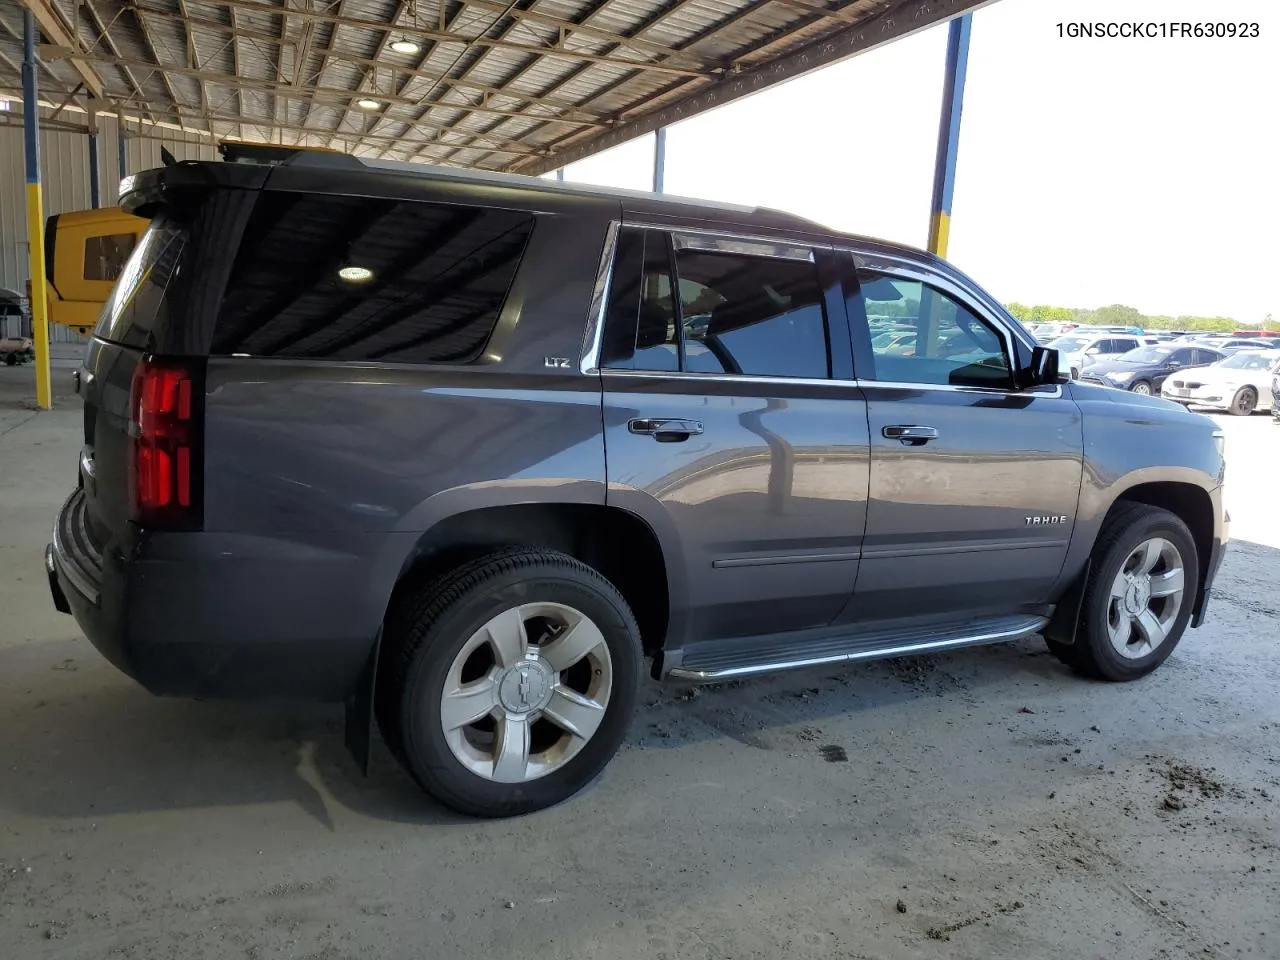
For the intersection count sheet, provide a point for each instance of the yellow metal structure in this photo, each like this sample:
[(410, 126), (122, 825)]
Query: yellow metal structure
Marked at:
[(39, 304), (86, 251), (939, 232)]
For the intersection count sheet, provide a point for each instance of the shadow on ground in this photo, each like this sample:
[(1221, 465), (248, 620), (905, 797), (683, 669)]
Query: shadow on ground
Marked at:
[(79, 740)]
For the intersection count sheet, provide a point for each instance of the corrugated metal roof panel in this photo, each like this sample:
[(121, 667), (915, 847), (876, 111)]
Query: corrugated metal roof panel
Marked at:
[(616, 67)]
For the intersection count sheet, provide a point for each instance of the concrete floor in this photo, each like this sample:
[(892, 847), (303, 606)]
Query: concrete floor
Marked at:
[(984, 804)]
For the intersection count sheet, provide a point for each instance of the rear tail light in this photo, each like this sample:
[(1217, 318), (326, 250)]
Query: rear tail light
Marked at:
[(164, 471)]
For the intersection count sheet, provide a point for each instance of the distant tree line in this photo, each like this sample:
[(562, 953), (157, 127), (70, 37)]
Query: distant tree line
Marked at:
[(1117, 314)]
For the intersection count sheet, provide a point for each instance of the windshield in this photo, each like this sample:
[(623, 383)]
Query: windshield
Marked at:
[(1247, 361), (1069, 344), (1147, 355)]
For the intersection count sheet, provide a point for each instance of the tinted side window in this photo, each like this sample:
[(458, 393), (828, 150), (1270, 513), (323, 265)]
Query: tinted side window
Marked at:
[(104, 257), (640, 330), (753, 315), (139, 302), (921, 335), (357, 278)]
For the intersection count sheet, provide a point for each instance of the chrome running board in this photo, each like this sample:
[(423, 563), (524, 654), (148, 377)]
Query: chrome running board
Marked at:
[(751, 656)]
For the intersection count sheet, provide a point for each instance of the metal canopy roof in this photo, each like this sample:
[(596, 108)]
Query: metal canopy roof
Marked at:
[(519, 85)]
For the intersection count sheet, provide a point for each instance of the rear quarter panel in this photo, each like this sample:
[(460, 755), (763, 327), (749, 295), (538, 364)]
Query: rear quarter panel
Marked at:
[(339, 468)]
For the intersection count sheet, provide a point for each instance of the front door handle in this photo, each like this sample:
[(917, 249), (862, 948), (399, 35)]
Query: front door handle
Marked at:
[(909, 434), (665, 431)]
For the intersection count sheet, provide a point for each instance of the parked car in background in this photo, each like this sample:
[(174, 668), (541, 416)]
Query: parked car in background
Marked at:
[(895, 341), (1238, 384), (15, 350), (1257, 334), (1227, 344), (1103, 328), (1275, 397), (1145, 370), (1078, 349), (1044, 332)]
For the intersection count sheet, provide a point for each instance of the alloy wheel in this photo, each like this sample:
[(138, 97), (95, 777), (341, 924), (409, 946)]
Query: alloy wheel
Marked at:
[(1146, 596), (526, 692)]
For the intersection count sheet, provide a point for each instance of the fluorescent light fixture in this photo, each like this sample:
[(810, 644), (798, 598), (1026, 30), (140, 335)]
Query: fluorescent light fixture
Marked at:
[(405, 45), (368, 103), (354, 274)]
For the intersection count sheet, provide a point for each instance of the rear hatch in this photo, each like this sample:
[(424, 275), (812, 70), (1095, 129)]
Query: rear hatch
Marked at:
[(140, 305)]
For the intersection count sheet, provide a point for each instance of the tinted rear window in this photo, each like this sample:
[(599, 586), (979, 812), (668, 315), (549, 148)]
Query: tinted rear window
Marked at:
[(357, 278), (139, 302)]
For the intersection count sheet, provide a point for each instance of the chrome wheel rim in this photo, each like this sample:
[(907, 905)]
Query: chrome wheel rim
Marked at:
[(526, 692), (1142, 388), (1146, 597)]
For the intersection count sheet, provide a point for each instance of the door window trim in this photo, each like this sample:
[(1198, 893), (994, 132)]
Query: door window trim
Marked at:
[(716, 243), (860, 259), (701, 240), (593, 335), (908, 269)]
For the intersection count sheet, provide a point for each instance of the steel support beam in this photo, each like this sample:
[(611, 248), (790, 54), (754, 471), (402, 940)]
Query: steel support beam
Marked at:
[(52, 27), (944, 169), (659, 158), (557, 50), (35, 213), (95, 173), (121, 152)]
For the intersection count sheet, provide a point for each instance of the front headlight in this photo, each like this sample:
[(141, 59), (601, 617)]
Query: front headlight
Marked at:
[(1119, 376)]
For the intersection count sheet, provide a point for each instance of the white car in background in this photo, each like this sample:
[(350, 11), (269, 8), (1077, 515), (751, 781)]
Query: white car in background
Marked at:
[(1239, 384), (1078, 349)]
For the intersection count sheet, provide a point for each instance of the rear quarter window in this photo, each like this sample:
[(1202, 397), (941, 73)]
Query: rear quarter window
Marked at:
[(327, 277), (139, 301)]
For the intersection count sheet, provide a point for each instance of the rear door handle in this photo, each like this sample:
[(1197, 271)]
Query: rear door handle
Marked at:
[(909, 434), (665, 431)]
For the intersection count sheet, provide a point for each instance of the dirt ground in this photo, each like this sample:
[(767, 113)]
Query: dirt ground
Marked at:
[(983, 804)]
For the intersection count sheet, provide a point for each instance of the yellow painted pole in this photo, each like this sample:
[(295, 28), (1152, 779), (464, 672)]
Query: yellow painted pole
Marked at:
[(35, 214), (944, 171)]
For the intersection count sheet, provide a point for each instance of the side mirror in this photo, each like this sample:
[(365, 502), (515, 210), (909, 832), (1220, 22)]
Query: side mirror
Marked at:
[(1042, 369), (1094, 350)]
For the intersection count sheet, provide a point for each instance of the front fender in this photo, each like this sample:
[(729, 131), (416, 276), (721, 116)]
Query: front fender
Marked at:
[(1131, 441)]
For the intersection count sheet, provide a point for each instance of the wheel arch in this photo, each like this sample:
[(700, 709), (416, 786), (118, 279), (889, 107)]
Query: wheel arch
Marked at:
[(1194, 506), (1184, 498), (620, 545)]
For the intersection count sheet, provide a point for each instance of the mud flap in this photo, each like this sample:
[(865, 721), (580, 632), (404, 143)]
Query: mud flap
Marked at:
[(358, 728), (1066, 616)]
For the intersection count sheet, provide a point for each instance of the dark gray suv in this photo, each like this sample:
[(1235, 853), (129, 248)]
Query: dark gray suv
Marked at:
[(463, 450)]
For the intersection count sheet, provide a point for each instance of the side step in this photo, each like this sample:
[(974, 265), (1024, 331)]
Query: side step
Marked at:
[(749, 656)]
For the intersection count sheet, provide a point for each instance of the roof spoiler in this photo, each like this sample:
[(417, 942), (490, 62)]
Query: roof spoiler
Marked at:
[(274, 155)]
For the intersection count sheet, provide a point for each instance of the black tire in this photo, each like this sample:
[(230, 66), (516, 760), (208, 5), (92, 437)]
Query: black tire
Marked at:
[(1145, 386), (1128, 526), (427, 632), (1244, 402), (11, 359)]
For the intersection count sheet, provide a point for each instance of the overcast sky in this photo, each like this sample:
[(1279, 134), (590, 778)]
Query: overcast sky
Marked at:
[(1136, 171)]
